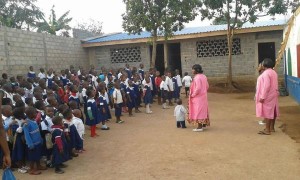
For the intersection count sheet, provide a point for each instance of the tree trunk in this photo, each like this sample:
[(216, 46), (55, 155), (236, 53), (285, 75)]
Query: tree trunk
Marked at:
[(153, 59), (229, 39)]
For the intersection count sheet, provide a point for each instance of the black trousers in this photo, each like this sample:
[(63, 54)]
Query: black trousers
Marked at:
[(181, 124)]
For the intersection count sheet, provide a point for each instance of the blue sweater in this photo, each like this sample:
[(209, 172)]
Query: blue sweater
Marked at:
[(32, 134)]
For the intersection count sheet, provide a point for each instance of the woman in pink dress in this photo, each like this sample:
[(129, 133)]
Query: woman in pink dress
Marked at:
[(198, 104), (267, 96)]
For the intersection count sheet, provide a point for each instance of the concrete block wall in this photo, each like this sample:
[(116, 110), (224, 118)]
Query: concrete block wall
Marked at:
[(20, 49), (102, 57), (243, 65)]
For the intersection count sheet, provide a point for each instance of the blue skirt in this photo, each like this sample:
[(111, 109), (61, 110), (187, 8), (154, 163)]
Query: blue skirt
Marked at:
[(19, 149), (35, 153)]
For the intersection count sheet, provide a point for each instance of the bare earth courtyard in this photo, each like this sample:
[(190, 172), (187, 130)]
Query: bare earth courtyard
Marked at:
[(151, 147)]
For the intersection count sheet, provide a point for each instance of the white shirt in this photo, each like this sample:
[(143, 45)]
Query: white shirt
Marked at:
[(164, 86), (45, 127), (178, 78), (42, 75), (169, 82), (79, 126), (78, 72), (117, 95), (187, 81), (179, 113), (6, 123), (119, 75)]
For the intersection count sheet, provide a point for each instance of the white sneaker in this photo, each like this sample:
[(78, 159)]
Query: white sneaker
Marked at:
[(197, 130), (26, 168), (261, 123), (21, 170)]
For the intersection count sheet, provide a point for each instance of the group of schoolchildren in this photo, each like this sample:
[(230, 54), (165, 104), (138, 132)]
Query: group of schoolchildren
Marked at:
[(44, 114)]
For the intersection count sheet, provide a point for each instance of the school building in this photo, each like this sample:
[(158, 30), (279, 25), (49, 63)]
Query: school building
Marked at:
[(205, 45)]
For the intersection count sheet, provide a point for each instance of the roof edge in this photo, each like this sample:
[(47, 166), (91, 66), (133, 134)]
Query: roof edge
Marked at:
[(186, 36)]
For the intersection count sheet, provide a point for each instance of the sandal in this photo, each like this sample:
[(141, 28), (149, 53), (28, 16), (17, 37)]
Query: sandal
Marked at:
[(264, 133)]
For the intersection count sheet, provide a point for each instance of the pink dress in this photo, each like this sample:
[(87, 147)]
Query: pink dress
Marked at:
[(267, 89), (198, 104)]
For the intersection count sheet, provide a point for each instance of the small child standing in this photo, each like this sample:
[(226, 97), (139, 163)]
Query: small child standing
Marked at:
[(103, 109), (131, 96), (118, 102), (147, 95), (92, 118), (187, 83), (179, 113), (60, 153), (77, 121), (34, 142)]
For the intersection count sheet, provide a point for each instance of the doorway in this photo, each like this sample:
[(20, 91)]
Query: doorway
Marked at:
[(174, 57), (266, 50), (159, 61)]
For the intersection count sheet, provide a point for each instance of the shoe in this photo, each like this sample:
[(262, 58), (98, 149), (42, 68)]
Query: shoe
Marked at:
[(21, 170), (137, 111), (63, 166), (74, 154), (183, 127), (261, 123), (26, 167), (105, 128), (198, 130), (49, 165), (59, 171), (120, 122)]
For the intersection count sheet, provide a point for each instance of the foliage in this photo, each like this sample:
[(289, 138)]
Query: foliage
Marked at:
[(294, 4), (236, 13), (54, 24), (19, 13), (159, 17), (91, 25)]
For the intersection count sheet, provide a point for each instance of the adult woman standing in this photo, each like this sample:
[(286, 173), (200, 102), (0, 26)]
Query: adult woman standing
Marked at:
[(198, 104), (267, 96)]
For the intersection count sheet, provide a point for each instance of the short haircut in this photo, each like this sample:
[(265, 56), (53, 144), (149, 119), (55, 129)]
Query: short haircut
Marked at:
[(30, 112), (179, 101), (268, 63), (57, 120), (198, 68), (67, 113)]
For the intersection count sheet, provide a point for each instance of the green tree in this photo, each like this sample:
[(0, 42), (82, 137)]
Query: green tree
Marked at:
[(236, 13), (91, 25), (159, 17), (54, 25), (20, 14)]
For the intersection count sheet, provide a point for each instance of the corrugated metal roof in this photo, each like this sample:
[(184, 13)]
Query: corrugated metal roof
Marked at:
[(185, 31)]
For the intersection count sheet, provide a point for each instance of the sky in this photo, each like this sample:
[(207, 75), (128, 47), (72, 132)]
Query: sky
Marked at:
[(107, 11)]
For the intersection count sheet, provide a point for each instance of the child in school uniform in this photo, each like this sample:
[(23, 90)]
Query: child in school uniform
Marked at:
[(102, 108), (33, 141), (92, 118), (31, 73), (164, 92), (73, 95), (118, 102), (176, 89), (73, 138), (137, 90), (186, 80), (46, 129), (78, 123), (131, 96), (19, 146), (179, 113), (60, 152), (147, 95)]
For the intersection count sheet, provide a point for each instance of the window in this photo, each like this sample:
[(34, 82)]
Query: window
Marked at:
[(219, 47), (124, 55)]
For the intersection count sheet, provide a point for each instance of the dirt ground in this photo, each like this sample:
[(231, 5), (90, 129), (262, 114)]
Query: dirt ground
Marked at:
[(149, 147)]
